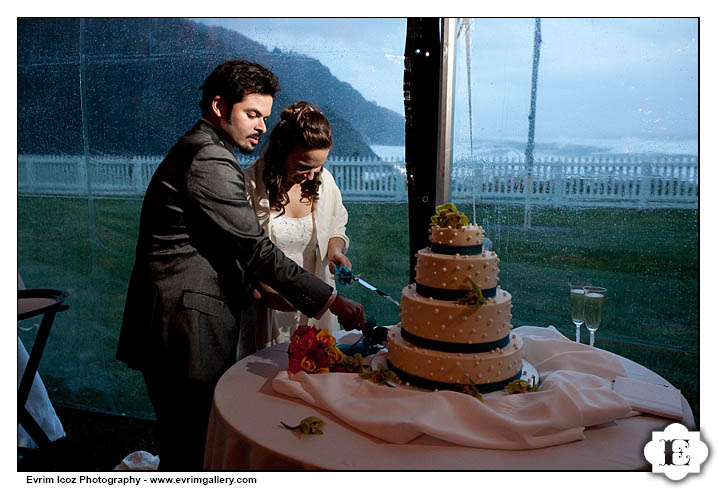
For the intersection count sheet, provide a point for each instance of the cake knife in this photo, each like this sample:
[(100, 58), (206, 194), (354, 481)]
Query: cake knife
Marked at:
[(345, 276), (377, 291)]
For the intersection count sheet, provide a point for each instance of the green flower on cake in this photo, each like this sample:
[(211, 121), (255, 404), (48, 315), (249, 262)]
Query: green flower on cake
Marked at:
[(474, 298), (472, 390), (449, 217), (310, 425), (521, 386), (381, 376)]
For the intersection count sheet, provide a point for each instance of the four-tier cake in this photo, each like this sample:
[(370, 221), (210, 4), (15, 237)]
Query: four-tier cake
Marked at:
[(455, 327)]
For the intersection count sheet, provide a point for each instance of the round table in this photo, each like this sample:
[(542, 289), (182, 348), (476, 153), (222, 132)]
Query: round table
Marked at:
[(245, 433)]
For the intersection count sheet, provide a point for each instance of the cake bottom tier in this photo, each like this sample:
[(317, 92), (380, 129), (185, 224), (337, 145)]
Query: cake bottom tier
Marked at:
[(493, 369)]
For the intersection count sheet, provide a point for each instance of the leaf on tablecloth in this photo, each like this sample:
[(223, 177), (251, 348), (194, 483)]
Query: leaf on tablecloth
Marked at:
[(309, 425)]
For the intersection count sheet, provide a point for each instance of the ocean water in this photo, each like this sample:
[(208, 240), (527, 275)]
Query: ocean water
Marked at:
[(564, 147)]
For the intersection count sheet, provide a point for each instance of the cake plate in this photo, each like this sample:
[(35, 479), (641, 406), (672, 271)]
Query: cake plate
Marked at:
[(529, 373)]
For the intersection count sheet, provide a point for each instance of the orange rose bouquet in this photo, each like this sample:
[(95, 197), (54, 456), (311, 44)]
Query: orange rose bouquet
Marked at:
[(315, 351)]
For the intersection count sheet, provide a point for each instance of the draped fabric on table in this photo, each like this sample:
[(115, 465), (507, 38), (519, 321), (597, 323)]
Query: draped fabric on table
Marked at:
[(575, 393)]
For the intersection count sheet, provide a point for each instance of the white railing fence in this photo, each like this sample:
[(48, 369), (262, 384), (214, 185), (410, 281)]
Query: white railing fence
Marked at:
[(553, 181), (580, 181)]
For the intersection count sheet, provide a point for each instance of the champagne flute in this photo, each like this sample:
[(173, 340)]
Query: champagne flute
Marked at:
[(593, 307), (577, 302)]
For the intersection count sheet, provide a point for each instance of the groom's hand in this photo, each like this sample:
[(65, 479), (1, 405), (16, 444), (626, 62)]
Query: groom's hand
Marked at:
[(350, 313)]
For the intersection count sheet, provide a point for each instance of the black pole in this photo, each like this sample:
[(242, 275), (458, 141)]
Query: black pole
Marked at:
[(422, 76)]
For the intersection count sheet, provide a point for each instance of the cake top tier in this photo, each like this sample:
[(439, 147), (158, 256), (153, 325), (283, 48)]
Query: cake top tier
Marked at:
[(457, 237), (450, 227)]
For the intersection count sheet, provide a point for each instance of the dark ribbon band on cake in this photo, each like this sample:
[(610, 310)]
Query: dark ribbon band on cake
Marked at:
[(450, 294), (454, 346), (438, 385), (453, 250)]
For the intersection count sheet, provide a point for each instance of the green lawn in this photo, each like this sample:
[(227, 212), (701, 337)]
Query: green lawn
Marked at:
[(648, 260)]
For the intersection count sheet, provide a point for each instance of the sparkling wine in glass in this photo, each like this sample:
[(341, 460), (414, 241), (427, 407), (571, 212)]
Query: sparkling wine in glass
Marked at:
[(577, 306), (593, 308)]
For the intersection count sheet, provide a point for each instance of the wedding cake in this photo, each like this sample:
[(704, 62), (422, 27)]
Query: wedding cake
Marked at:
[(455, 327)]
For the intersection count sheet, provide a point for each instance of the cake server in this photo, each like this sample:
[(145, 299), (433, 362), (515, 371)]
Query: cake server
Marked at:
[(345, 276)]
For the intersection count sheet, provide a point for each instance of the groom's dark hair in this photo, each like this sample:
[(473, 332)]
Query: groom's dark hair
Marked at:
[(235, 79)]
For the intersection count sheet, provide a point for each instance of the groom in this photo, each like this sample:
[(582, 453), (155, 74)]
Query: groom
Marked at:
[(199, 252)]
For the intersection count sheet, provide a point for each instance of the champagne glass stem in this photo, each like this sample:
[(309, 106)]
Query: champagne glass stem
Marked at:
[(591, 338), (578, 332)]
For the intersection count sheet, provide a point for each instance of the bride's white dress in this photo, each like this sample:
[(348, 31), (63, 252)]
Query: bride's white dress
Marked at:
[(297, 238)]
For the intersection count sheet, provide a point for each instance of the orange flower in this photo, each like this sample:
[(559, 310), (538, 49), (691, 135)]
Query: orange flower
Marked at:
[(308, 365), (325, 338), (335, 355)]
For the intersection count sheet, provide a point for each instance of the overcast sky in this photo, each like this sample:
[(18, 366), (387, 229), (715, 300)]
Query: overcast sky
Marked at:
[(598, 78)]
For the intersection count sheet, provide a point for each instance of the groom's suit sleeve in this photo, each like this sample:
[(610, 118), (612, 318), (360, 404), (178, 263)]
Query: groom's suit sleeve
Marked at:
[(216, 188)]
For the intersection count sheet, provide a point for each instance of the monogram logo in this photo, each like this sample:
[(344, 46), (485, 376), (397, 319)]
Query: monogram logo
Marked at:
[(676, 452)]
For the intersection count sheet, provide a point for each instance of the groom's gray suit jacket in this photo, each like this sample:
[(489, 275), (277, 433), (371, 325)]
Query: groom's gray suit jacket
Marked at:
[(199, 251)]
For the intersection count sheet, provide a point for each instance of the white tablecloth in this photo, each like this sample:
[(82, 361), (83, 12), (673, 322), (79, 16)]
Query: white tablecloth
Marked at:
[(245, 432), (38, 404)]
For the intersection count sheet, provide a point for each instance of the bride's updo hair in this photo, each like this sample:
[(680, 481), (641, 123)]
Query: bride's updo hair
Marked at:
[(301, 125)]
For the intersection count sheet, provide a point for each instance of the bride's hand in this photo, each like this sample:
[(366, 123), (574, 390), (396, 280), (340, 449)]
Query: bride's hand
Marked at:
[(335, 254), (338, 259)]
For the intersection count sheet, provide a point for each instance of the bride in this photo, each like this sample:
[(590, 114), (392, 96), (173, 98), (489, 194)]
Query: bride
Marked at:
[(300, 208)]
